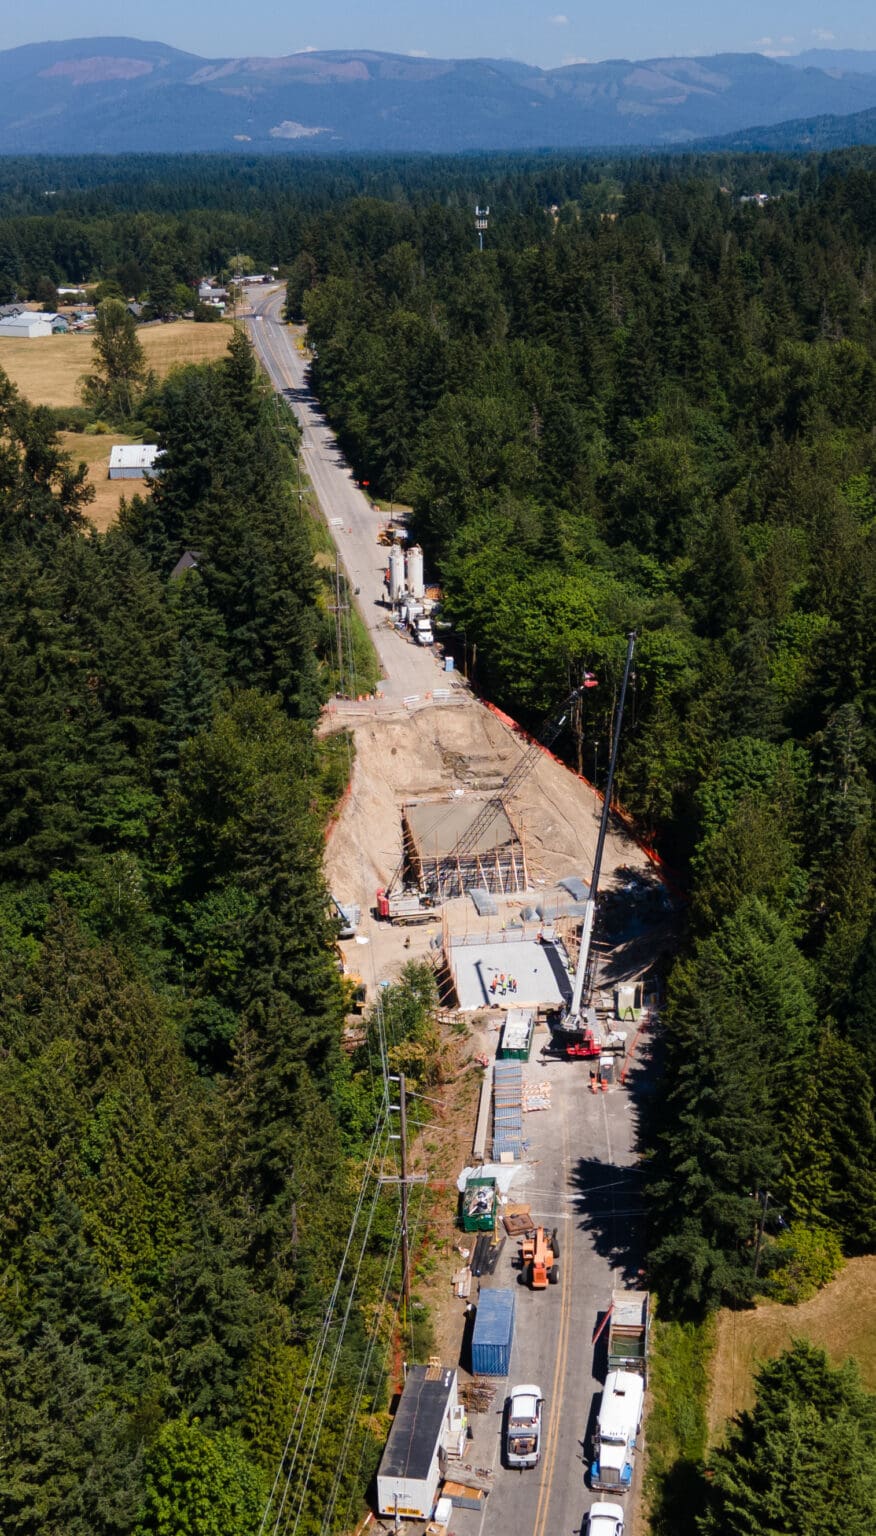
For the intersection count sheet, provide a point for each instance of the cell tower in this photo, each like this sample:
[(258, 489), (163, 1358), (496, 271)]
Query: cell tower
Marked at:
[(482, 216)]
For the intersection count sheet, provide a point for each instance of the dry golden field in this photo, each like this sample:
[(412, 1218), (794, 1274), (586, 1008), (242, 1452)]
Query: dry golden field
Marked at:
[(841, 1319), (47, 369), (95, 452)]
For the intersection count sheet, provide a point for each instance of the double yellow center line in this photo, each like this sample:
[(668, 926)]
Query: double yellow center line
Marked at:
[(555, 1406)]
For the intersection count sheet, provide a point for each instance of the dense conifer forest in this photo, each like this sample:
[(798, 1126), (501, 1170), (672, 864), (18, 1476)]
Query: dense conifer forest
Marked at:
[(181, 1138), (663, 419), (645, 404)]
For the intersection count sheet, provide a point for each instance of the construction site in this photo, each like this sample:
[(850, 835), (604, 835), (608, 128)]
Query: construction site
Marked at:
[(490, 883), (463, 844)]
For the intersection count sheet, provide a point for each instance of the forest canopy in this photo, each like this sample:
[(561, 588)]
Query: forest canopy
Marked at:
[(646, 404)]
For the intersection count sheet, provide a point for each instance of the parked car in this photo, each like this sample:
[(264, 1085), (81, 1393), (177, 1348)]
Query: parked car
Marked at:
[(605, 1520), (523, 1427)]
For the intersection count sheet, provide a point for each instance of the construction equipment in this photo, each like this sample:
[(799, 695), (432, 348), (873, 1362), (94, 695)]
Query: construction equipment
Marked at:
[(580, 1044), (348, 916), (539, 1255), (404, 906), (580, 1018)]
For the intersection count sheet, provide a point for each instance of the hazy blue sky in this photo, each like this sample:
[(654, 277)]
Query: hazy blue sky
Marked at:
[(520, 29)]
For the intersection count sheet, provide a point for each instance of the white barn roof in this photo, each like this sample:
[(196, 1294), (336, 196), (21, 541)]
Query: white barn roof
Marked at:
[(140, 456)]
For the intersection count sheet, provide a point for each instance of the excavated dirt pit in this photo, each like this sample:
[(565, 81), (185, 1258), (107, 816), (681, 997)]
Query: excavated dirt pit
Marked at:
[(435, 752)]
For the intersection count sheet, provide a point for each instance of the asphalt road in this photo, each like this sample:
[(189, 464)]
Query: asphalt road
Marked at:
[(581, 1178), (580, 1174), (409, 669)]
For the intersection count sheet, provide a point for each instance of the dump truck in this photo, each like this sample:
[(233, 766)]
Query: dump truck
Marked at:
[(539, 1253), (523, 1427), (617, 1429), (405, 906), (629, 1324)]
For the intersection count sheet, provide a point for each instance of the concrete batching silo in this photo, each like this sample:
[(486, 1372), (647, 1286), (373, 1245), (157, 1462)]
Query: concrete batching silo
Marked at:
[(415, 571), (396, 573)]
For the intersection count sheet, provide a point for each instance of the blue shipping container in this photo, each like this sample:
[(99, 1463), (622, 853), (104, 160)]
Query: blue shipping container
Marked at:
[(493, 1333)]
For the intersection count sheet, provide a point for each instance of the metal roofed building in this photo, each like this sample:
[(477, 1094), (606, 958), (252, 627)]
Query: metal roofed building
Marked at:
[(447, 854), (427, 1421), (189, 560), (29, 323), (133, 461)]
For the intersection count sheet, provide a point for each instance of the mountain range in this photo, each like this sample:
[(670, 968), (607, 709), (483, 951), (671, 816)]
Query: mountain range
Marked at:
[(116, 95)]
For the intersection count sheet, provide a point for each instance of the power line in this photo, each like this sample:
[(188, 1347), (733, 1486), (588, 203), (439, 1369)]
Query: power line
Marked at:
[(308, 1388)]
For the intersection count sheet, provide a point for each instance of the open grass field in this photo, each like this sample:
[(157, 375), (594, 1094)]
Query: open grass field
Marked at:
[(95, 452), (47, 369), (840, 1319)]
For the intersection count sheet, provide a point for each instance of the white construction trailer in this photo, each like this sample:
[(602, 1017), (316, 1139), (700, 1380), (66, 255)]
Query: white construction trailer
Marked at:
[(429, 1422)]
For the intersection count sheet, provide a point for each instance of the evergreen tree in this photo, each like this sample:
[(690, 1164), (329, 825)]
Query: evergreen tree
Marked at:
[(120, 374), (777, 1475)]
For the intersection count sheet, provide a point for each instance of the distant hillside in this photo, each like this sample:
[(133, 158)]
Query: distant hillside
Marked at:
[(801, 134), (859, 61), (120, 95)]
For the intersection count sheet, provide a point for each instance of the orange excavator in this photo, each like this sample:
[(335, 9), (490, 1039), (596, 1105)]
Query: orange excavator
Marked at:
[(539, 1252)]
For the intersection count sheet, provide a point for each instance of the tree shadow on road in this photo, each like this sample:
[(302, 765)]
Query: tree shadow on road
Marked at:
[(609, 1201)]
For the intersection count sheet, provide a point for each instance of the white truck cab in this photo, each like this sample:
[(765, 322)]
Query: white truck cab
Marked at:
[(523, 1427), (617, 1429)]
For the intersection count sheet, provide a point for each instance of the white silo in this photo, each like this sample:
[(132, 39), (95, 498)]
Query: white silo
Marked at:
[(396, 573), (415, 571)]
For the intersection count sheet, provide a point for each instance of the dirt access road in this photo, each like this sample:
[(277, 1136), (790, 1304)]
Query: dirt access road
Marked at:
[(580, 1172)]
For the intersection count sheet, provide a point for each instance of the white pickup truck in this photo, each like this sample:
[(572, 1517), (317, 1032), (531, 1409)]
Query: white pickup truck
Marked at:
[(523, 1427)]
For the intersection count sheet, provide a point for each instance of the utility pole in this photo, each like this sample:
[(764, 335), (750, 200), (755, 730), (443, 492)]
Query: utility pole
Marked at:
[(404, 1181), (337, 608), (405, 1251), (481, 224)]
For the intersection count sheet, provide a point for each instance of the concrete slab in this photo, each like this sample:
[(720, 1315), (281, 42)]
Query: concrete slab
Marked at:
[(539, 970), (437, 827)]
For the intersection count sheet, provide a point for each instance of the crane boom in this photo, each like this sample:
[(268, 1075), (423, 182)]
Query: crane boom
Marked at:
[(582, 971)]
